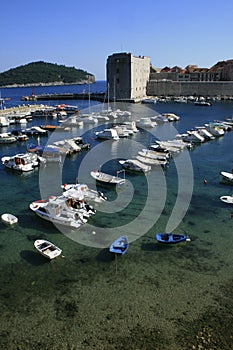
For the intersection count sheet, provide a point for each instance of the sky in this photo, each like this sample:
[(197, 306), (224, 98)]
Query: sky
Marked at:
[(82, 34)]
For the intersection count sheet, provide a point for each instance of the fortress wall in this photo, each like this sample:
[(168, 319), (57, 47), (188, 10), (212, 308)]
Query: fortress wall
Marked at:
[(176, 88)]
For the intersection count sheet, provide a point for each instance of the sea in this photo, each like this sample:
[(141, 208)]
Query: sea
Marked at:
[(165, 297)]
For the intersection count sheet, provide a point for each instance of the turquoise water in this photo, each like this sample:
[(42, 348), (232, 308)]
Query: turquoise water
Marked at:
[(154, 297)]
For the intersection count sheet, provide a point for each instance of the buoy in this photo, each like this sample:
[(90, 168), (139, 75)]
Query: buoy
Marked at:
[(205, 181), (93, 232)]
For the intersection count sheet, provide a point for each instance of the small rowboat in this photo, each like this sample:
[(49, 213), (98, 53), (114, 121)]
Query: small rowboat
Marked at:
[(227, 199), (47, 249), (9, 218), (107, 178), (119, 246), (171, 238)]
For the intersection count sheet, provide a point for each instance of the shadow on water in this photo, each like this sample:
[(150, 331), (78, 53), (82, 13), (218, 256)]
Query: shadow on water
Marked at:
[(105, 256), (33, 258)]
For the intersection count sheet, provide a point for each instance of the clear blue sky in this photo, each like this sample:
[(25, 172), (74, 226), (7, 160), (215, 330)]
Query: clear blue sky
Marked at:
[(84, 33)]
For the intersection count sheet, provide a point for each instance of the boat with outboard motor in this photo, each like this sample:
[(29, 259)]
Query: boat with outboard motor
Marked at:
[(227, 176), (47, 249), (21, 161), (9, 218), (107, 178)]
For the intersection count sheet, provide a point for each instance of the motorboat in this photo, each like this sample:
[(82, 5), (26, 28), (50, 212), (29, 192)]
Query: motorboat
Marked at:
[(122, 131), (77, 191), (227, 199), (107, 178), (171, 117), (47, 249), (6, 138), (119, 246), (151, 161), (159, 119), (192, 136), (202, 103), (149, 100), (131, 126), (153, 154), (9, 218), (227, 176), (107, 134), (134, 165), (21, 162), (215, 130), (58, 211), (205, 133), (171, 238), (145, 122)]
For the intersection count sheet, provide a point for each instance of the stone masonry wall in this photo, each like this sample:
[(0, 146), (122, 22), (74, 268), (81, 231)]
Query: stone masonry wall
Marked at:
[(176, 88)]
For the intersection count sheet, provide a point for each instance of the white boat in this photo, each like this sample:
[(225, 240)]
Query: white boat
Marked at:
[(77, 191), (171, 117), (227, 199), (122, 131), (153, 154), (150, 161), (47, 249), (135, 165), (215, 130), (21, 162), (227, 176), (202, 103), (149, 100), (107, 134), (6, 138), (145, 122), (9, 218), (192, 136), (106, 178), (4, 121), (204, 133), (58, 211), (159, 119)]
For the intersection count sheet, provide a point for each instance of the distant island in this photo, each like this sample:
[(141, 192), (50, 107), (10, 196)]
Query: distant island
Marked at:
[(42, 73)]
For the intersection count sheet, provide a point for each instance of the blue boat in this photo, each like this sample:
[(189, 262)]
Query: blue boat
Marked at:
[(120, 245), (171, 238)]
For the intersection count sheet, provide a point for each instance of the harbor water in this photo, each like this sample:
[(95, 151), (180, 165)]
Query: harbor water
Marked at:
[(174, 297)]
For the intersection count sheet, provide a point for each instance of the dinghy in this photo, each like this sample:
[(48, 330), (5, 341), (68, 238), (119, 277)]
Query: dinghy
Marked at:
[(47, 249), (227, 199), (9, 218), (120, 245), (171, 238)]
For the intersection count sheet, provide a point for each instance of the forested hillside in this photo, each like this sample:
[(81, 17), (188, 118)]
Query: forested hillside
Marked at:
[(44, 73)]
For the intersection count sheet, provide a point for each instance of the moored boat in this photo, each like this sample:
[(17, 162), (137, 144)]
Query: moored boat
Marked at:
[(47, 249), (107, 178), (134, 165), (227, 199), (227, 176), (119, 246), (171, 238), (9, 218)]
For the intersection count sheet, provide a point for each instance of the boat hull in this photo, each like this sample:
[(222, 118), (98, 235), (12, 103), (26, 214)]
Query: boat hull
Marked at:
[(169, 238), (119, 246)]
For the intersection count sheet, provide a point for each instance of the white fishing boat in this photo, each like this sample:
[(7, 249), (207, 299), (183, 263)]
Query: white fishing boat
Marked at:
[(227, 176), (227, 199), (205, 133), (21, 162), (107, 178), (9, 218), (214, 130), (134, 165), (47, 249), (77, 191), (58, 211)]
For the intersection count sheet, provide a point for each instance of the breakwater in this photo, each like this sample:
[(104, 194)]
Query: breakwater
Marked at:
[(66, 96)]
